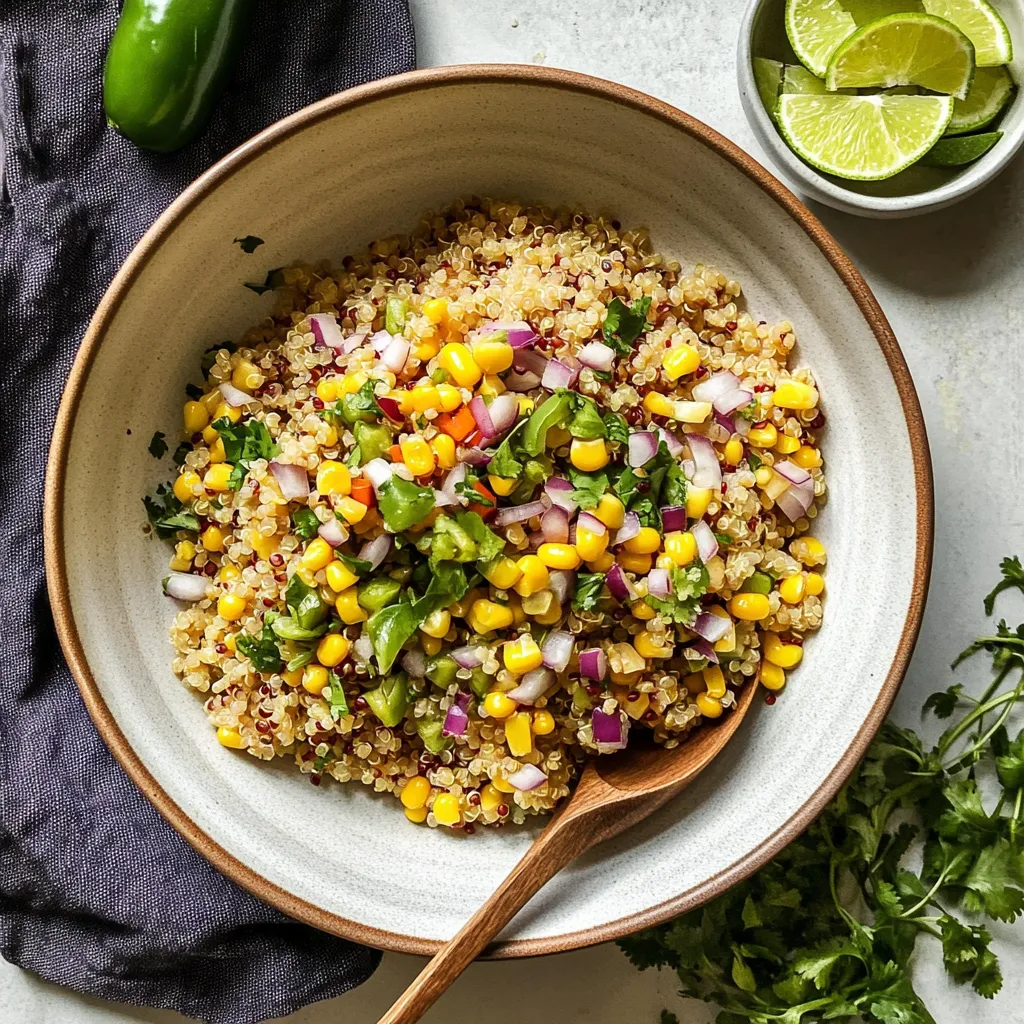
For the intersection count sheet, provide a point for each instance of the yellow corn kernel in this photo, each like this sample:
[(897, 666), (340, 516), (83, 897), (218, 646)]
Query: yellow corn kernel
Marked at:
[(427, 349), (807, 457), (657, 404), (314, 679), (683, 412), (535, 575), (459, 362), (352, 511), (332, 650), (490, 797), (502, 786), (714, 680), (543, 723), (210, 435), (679, 360), (551, 617), (446, 809), (642, 610), (697, 501), (351, 383), (183, 555), (559, 556), (502, 486), (493, 356), (461, 608), (650, 645), (217, 452), (339, 576), (516, 607), (333, 477), (403, 399), (503, 574), (431, 644), (664, 561), (646, 542), (327, 389), (794, 394), (217, 477), (782, 654), (417, 455), (680, 547), (228, 573), (728, 641), (763, 437), (526, 405), (610, 511), (425, 398), (443, 448), (318, 555), (518, 737), (763, 476), (246, 376), (184, 486), (224, 410), (808, 550), (522, 655), (263, 545), (709, 707), (640, 564), (491, 386), (498, 705), (733, 451), (350, 611), (601, 564), (212, 400), (486, 616), (449, 396), (231, 738), (230, 607), (793, 588), (436, 310), (750, 607), (195, 417), (590, 545), (212, 538), (694, 683), (415, 793), (588, 456), (772, 677), (815, 584), (416, 815), (787, 444), (558, 437), (437, 623), (293, 678)]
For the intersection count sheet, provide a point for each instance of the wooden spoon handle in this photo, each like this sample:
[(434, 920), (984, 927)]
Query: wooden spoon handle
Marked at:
[(561, 842)]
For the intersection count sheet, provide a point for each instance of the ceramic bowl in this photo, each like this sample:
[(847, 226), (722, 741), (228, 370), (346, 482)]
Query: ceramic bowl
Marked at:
[(323, 183), (916, 190)]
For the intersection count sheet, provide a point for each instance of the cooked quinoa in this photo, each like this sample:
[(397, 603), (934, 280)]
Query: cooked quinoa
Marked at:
[(486, 501)]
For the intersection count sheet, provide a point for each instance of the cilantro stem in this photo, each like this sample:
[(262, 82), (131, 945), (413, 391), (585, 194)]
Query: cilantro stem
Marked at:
[(963, 760), (927, 897)]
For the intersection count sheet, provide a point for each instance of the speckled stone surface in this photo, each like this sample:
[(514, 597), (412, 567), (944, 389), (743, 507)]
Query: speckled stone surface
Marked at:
[(948, 284)]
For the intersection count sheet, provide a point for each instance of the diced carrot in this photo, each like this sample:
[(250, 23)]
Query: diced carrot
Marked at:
[(457, 425), (396, 453), (484, 511), (362, 490)]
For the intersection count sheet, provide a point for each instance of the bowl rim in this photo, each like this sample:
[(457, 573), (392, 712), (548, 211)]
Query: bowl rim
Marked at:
[(974, 178), (429, 78)]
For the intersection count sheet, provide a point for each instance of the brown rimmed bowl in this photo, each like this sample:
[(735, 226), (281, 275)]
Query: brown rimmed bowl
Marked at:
[(323, 183)]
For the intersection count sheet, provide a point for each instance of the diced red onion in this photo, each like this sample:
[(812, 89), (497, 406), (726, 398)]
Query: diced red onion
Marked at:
[(333, 532), (326, 330), (557, 650), (643, 446), (725, 422), (560, 493), (186, 586), (732, 401), (588, 521), (378, 472), (792, 472), (796, 500), (527, 778), (522, 382), (478, 407), (710, 627), (659, 584), (463, 700), (389, 406), (442, 499), (598, 356), (353, 341), (554, 525), (707, 542), (380, 341), (415, 662), (561, 582), (291, 479), (619, 584), (557, 375), (593, 664), (629, 529), (707, 471), (706, 650), (456, 721), (474, 456), (468, 657), (504, 411), (527, 360), (673, 517), (396, 355), (376, 550), (718, 384), (534, 541), (518, 513), (674, 445), (611, 732), (456, 476), (520, 333), (363, 649), (533, 686), (235, 397)]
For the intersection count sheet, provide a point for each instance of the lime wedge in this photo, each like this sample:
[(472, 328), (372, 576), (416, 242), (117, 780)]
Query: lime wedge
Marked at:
[(797, 79), (960, 149), (990, 91), (905, 49), (817, 27), (978, 20), (865, 138), (768, 79)]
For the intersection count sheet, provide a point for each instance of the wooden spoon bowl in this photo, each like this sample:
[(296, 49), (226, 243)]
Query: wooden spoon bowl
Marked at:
[(613, 794)]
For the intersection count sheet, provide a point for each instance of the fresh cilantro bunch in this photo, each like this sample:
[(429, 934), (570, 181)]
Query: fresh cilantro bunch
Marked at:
[(827, 930)]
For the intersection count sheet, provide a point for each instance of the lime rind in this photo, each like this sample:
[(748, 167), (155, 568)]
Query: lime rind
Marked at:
[(958, 150), (816, 27), (981, 23), (990, 92), (866, 59), (768, 79), (862, 138)]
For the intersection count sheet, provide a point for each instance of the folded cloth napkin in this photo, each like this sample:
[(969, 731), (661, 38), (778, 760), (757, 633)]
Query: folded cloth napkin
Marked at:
[(97, 892)]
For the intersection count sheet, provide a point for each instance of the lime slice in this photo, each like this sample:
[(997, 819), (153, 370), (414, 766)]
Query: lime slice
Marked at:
[(797, 79), (990, 91), (978, 20), (817, 27), (905, 49), (865, 138), (960, 149), (768, 79)]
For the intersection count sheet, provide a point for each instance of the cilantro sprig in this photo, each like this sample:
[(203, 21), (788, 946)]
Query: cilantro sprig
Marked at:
[(624, 324), (828, 929)]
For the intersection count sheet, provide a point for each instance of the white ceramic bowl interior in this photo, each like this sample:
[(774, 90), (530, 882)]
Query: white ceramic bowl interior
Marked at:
[(325, 185), (916, 190)]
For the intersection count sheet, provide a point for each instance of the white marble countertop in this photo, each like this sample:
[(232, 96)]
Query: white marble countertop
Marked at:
[(951, 286)]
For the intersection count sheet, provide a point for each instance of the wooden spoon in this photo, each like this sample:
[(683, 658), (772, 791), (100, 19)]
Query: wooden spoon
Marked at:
[(614, 793)]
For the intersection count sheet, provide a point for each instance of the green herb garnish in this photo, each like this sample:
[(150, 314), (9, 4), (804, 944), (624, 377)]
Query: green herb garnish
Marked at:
[(305, 523), (589, 586), (274, 279), (167, 514), (158, 445), (249, 244), (262, 651), (244, 443), (688, 586), (338, 702), (403, 503), (624, 324)]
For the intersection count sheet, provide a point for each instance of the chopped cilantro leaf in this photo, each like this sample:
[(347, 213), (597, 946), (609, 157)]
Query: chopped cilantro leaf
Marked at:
[(338, 702), (588, 591), (194, 391), (249, 244), (616, 428), (624, 324), (403, 504), (588, 487), (244, 443), (262, 651), (305, 523), (167, 514), (180, 452), (688, 586), (158, 445), (274, 279)]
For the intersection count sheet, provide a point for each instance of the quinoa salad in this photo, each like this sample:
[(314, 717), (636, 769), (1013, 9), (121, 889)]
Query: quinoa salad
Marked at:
[(488, 500)]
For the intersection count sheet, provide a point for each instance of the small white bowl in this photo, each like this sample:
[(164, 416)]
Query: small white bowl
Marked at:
[(916, 190)]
